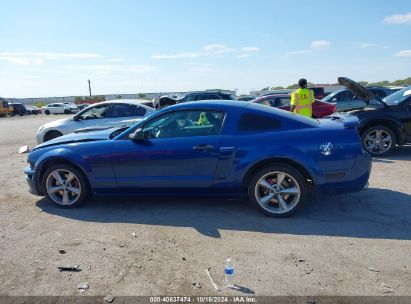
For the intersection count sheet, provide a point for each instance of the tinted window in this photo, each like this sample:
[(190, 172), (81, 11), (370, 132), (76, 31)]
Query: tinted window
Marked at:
[(126, 110), (184, 124), (228, 97), (379, 93), (256, 123)]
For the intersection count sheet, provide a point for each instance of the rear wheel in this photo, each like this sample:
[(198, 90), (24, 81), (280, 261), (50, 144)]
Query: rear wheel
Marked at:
[(65, 186), (51, 135), (378, 140), (277, 190)]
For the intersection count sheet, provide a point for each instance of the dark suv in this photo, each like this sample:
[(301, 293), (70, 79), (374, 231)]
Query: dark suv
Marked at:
[(18, 109), (383, 123), (166, 101)]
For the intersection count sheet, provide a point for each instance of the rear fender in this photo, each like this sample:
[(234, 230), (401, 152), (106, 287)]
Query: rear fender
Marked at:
[(276, 153)]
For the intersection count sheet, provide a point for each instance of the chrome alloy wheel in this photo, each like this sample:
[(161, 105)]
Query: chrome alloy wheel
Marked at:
[(378, 141), (63, 187), (277, 192)]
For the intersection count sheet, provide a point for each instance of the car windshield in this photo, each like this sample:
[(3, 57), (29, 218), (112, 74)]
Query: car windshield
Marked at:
[(397, 97)]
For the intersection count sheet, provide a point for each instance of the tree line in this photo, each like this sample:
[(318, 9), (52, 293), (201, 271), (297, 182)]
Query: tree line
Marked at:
[(384, 83)]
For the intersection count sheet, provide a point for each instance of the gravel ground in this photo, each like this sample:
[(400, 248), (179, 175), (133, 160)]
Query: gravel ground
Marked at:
[(356, 244)]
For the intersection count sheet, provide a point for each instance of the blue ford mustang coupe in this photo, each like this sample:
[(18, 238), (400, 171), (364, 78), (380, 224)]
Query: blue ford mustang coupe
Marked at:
[(216, 149)]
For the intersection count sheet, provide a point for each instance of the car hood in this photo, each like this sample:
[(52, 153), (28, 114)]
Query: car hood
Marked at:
[(57, 123), (78, 137), (358, 90)]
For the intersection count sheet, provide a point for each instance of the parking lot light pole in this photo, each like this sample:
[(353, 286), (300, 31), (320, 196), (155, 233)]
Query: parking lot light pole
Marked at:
[(89, 86)]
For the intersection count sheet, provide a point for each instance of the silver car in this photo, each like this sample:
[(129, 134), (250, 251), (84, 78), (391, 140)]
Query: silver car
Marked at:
[(113, 113)]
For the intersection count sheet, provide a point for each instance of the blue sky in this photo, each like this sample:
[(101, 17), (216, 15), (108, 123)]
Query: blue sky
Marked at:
[(51, 48)]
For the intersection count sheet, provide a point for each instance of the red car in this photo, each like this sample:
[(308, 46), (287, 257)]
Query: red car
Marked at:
[(282, 101)]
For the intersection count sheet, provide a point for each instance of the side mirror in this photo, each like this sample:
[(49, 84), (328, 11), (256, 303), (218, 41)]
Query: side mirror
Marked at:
[(334, 99), (137, 135)]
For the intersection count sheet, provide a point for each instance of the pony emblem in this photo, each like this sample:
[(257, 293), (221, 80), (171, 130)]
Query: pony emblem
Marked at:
[(326, 148)]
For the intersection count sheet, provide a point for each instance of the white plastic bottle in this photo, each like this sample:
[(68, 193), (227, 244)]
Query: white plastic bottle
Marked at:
[(229, 274)]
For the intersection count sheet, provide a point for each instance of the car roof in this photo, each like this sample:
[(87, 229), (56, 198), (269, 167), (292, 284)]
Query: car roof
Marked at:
[(273, 95), (137, 102)]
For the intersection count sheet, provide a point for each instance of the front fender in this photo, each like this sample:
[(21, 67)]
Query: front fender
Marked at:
[(63, 154)]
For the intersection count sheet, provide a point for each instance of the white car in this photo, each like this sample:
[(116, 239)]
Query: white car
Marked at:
[(59, 108), (113, 113)]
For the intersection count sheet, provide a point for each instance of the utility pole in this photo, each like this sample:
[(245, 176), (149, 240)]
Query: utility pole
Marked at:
[(89, 86)]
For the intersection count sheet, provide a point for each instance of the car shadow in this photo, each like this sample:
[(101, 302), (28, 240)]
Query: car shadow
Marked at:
[(399, 153), (376, 213)]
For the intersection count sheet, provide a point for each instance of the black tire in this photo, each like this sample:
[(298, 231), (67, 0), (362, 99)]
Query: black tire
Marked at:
[(51, 135), (47, 112), (367, 138), (293, 176), (66, 112), (80, 178)]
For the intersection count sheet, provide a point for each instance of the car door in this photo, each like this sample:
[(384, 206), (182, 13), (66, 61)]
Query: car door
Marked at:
[(179, 154)]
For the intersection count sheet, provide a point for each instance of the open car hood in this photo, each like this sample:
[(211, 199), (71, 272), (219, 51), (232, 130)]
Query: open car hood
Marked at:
[(358, 90)]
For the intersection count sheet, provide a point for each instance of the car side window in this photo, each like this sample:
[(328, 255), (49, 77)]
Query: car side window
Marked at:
[(96, 112), (185, 124), (343, 96), (267, 102), (126, 110), (379, 93), (250, 122), (283, 102)]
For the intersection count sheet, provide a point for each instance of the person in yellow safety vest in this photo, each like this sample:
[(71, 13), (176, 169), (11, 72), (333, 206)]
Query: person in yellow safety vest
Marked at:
[(203, 120), (302, 100)]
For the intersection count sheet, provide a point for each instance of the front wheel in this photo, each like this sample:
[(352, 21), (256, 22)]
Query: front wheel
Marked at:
[(47, 112), (277, 190), (378, 140), (65, 186)]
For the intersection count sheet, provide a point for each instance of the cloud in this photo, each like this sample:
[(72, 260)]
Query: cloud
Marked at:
[(177, 56), (398, 19), (21, 60), (217, 49), (101, 69), (116, 60), (242, 56), (367, 45), (404, 53), (209, 50), (320, 44), (299, 52), (29, 58), (250, 49)]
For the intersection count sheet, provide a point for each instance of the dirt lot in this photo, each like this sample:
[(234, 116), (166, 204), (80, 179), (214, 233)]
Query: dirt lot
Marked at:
[(357, 244)]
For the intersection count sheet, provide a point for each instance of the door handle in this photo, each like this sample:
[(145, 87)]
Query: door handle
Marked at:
[(204, 148)]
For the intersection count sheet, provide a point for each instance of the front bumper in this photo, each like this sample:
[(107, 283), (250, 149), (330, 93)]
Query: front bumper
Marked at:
[(31, 180)]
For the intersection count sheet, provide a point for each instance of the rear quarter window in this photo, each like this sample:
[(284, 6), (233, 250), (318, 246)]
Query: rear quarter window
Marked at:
[(250, 122)]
